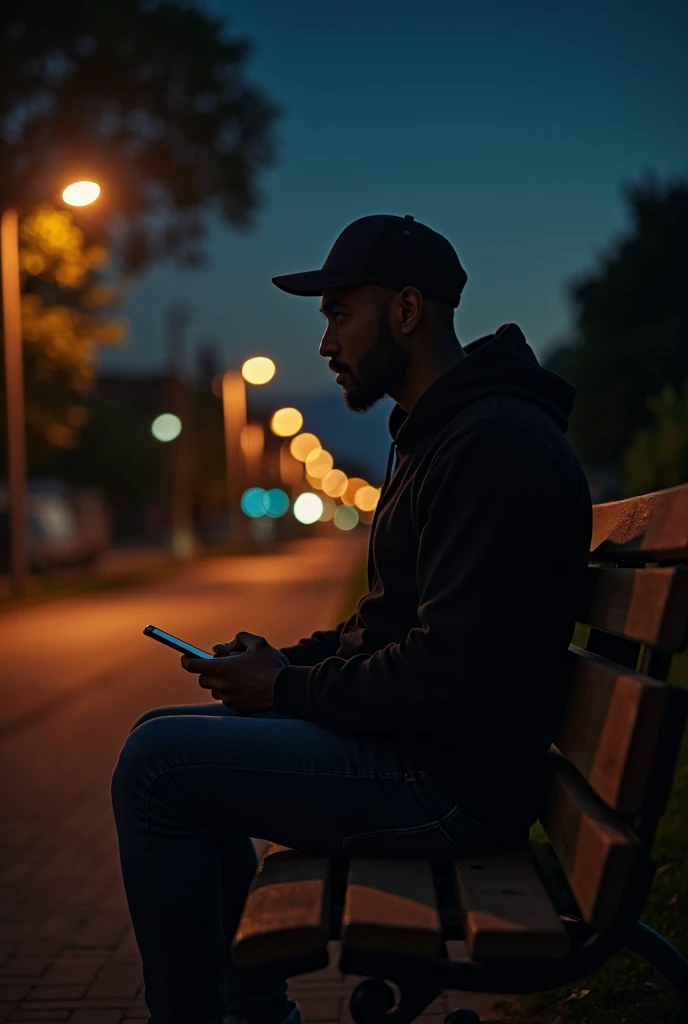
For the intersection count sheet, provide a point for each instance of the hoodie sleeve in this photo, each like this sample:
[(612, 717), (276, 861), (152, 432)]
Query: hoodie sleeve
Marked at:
[(488, 513), (313, 649)]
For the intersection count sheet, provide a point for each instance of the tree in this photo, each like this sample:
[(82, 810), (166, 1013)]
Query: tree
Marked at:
[(148, 98), (63, 298), (658, 455), (65, 318), (631, 315)]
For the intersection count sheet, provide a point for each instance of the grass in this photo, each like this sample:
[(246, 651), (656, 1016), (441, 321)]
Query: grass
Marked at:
[(626, 990), (73, 583)]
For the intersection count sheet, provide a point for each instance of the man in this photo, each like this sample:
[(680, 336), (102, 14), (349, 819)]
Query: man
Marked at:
[(419, 727)]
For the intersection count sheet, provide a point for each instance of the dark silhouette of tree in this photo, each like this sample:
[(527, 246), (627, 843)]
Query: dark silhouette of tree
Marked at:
[(631, 315), (150, 99)]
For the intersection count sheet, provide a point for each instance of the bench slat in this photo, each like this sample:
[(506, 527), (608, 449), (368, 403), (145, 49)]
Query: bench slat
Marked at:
[(651, 528), (287, 909), (649, 606), (611, 729), (391, 906), (595, 850), (505, 909)]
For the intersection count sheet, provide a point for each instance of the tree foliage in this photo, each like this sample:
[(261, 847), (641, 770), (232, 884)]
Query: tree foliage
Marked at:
[(631, 315), (658, 455), (63, 298), (148, 98), (66, 316)]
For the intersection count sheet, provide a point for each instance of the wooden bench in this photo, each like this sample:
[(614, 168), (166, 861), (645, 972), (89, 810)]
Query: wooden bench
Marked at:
[(530, 921)]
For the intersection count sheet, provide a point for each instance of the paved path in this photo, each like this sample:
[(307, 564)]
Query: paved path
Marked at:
[(75, 674)]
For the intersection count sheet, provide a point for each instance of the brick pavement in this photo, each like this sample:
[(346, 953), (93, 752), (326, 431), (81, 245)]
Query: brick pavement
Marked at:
[(66, 947)]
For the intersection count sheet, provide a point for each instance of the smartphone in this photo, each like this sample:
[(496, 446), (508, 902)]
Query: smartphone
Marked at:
[(175, 643)]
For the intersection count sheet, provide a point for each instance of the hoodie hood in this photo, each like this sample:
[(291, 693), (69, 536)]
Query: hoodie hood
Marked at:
[(502, 363)]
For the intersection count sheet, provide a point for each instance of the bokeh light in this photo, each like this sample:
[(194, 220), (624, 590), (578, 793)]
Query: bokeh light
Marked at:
[(346, 517), (258, 370), (308, 508), (81, 193), (366, 498), (276, 502), (302, 445), (253, 502), (319, 462), (286, 422), (314, 481), (329, 509), (354, 484), (166, 427), (334, 483)]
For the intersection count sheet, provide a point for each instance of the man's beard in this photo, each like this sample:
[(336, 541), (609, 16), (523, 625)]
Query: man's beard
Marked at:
[(378, 369)]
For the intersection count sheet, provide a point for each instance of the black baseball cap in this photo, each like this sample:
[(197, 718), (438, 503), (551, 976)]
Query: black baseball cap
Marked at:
[(396, 252)]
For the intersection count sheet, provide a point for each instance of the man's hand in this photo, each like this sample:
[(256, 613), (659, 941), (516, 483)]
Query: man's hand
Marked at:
[(242, 674)]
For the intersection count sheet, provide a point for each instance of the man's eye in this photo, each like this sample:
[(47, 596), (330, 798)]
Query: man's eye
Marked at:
[(336, 316)]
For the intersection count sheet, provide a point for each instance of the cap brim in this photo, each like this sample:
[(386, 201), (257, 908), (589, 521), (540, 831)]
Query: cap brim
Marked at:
[(312, 282)]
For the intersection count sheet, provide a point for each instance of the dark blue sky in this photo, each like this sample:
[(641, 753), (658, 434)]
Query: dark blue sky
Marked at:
[(508, 125)]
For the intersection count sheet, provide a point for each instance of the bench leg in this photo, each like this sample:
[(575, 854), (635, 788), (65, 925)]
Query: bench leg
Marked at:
[(662, 955), (372, 999)]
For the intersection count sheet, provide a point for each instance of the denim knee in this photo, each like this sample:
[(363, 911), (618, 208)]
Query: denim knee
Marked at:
[(141, 750), (147, 716)]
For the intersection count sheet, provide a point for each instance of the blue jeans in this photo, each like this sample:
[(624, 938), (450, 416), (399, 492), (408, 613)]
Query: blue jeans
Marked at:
[(194, 782)]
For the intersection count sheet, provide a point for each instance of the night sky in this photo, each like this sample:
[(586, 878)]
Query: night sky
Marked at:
[(508, 125)]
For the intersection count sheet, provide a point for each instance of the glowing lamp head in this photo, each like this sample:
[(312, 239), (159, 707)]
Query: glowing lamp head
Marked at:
[(334, 483), (345, 517), (366, 498), (318, 462), (166, 427), (258, 370), (81, 193), (253, 502), (286, 422), (302, 445), (308, 508)]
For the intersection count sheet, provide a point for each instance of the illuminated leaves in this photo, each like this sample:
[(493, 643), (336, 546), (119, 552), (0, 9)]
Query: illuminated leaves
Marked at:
[(52, 247), (64, 320)]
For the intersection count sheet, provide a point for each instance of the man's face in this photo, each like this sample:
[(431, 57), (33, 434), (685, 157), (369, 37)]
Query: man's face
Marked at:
[(360, 344)]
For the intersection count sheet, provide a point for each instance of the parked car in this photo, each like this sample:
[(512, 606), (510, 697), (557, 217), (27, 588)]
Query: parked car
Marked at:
[(64, 527)]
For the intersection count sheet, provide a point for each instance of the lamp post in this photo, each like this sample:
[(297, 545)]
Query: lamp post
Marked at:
[(258, 370), (253, 448), (81, 193), (182, 540)]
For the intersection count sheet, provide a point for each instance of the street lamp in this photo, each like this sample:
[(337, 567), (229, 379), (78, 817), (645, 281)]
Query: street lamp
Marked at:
[(258, 370), (81, 193), (78, 194)]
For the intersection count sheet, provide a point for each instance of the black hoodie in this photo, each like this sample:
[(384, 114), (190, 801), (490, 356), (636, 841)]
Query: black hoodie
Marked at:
[(477, 551)]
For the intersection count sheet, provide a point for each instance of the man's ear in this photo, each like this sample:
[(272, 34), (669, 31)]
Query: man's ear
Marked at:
[(409, 309)]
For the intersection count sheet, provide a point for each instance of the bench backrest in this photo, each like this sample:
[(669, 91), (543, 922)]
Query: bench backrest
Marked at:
[(619, 741)]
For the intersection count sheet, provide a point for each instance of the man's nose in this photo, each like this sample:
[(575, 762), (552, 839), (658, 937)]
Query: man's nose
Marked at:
[(328, 346)]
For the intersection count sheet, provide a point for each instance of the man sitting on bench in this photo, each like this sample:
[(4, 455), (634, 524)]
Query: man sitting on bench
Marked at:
[(418, 728)]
